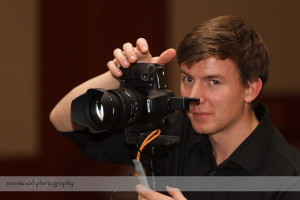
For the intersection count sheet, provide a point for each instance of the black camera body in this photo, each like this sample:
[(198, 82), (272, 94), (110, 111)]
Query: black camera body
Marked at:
[(142, 102)]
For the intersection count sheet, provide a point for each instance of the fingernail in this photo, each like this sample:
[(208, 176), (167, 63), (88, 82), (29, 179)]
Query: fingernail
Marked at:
[(125, 63), (171, 188), (132, 58), (119, 73), (144, 48), (140, 187)]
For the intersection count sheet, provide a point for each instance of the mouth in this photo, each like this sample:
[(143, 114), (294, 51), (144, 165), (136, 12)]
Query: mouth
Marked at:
[(201, 115)]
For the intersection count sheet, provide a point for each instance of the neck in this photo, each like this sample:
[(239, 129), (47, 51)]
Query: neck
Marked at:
[(224, 143)]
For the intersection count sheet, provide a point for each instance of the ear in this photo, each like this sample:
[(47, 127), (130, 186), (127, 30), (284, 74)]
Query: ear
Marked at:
[(253, 90)]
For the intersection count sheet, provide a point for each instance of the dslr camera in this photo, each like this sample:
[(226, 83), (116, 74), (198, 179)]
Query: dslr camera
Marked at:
[(142, 102)]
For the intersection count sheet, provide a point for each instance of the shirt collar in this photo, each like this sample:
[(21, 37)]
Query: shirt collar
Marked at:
[(251, 151)]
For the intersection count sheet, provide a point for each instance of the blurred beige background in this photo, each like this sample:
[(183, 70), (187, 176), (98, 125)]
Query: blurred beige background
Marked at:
[(19, 57)]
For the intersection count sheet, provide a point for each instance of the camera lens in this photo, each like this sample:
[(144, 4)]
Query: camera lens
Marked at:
[(117, 108)]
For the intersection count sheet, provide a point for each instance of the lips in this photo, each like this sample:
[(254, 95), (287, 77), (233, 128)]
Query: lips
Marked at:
[(201, 115)]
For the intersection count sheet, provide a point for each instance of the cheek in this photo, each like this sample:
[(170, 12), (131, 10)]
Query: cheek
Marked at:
[(217, 99), (220, 98), (228, 100)]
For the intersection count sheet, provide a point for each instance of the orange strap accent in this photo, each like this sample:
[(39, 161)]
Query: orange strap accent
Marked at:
[(148, 139)]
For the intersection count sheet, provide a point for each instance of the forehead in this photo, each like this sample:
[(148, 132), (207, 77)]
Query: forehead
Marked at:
[(211, 66)]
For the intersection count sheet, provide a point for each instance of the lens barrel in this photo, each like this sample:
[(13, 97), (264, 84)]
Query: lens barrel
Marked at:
[(105, 109)]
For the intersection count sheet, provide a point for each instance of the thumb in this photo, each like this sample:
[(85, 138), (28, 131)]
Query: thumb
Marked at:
[(166, 56), (175, 193)]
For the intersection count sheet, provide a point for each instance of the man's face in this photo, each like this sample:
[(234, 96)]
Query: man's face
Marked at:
[(222, 95)]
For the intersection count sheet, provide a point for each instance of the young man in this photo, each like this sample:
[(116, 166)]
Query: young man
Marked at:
[(224, 62)]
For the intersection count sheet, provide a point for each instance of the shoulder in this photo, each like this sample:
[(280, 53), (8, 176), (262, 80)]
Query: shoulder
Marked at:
[(290, 154), (283, 159), (279, 158)]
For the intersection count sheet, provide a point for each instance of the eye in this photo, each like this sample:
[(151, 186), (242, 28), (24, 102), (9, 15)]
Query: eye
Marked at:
[(214, 82), (187, 79)]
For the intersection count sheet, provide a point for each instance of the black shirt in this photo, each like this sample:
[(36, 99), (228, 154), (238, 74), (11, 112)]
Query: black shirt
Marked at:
[(264, 153)]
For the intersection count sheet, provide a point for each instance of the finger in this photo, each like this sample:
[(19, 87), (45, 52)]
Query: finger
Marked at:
[(114, 69), (129, 52), (166, 56), (121, 58), (175, 193), (141, 197), (150, 194), (142, 45)]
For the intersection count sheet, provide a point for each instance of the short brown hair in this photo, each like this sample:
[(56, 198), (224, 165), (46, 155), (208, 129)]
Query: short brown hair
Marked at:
[(227, 37)]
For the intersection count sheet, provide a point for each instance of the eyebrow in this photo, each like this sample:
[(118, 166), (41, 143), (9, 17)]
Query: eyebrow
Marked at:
[(182, 71), (212, 76)]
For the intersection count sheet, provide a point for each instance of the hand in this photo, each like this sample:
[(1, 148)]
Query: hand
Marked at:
[(140, 54), (148, 194)]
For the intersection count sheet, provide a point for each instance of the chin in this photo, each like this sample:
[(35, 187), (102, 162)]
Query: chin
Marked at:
[(202, 129), (201, 126)]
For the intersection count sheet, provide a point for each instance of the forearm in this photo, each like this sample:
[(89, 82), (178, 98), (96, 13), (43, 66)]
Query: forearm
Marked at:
[(60, 116)]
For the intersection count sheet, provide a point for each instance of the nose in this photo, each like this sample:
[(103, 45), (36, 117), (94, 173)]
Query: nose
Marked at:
[(198, 91)]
